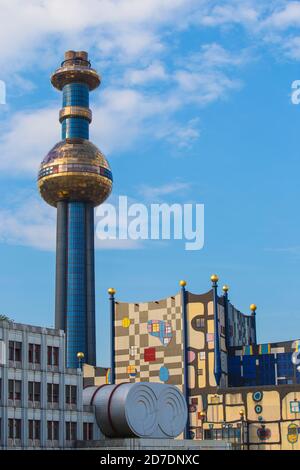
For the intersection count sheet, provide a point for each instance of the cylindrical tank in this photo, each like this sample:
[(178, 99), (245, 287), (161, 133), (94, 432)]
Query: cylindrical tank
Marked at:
[(148, 410)]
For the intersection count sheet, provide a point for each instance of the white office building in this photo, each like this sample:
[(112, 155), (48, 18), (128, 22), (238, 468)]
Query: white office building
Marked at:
[(40, 399)]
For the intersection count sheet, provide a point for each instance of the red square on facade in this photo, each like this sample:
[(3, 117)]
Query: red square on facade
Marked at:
[(149, 355)]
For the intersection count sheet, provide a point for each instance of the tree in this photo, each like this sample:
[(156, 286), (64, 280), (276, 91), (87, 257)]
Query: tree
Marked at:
[(4, 318)]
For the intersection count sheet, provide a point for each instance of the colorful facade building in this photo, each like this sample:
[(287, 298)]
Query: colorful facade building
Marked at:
[(75, 177), (236, 389)]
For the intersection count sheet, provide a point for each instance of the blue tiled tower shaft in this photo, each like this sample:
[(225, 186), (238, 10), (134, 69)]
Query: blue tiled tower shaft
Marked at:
[(75, 279)]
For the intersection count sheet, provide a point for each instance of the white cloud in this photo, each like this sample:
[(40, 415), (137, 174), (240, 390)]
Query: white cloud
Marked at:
[(284, 18), (157, 192), (114, 27), (153, 73), (29, 222), (26, 139), (233, 12)]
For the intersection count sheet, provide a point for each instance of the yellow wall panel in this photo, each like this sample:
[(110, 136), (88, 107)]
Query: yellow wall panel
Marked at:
[(270, 406), (215, 413), (212, 380), (196, 339), (202, 378), (191, 372), (194, 309), (232, 413), (290, 442), (286, 409), (210, 308), (234, 399), (274, 437)]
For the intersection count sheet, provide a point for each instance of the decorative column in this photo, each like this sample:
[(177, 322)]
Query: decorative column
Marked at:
[(112, 292), (253, 317), (217, 355), (226, 301), (80, 357), (185, 327)]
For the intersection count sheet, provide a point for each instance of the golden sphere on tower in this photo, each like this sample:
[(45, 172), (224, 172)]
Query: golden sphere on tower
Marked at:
[(111, 291), (80, 355), (214, 278), (253, 307), (225, 288), (75, 170), (182, 283)]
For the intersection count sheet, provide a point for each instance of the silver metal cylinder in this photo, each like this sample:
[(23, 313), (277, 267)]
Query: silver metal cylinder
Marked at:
[(146, 410)]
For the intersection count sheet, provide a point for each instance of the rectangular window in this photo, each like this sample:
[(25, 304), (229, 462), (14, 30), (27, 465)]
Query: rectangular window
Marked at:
[(14, 429), (15, 351), (88, 431), (52, 356), (53, 430), (133, 350), (71, 394), (71, 431), (53, 393), (18, 389), (34, 353), (34, 391), (34, 429), (295, 406), (202, 355), (200, 322), (14, 389)]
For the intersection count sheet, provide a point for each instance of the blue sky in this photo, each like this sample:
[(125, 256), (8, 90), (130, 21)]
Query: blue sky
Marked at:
[(195, 106)]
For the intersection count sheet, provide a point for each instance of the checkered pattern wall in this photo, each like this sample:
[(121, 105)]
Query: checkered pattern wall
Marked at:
[(149, 343)]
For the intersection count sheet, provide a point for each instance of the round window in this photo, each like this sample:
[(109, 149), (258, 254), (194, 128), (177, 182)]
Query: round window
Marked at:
[(257, 396), (258, 409)]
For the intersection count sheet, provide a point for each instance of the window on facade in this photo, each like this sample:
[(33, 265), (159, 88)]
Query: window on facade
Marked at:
[(202, 355), (14, 429), (52, 356), (133, 350), (14, 389), (295, 406), (200, 371), (200, 322), (52, 393), (34, 391), (34, 429), (15, 351), (71, 394), (71, 431), (34, 353), (88, 431), (215, 434), (53, 430)]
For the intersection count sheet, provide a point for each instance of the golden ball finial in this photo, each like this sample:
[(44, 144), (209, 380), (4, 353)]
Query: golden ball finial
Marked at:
[(80, 355), (214, 278), (111, 291), (225, 288), (182, 283), (242, 413), (253, 308)]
